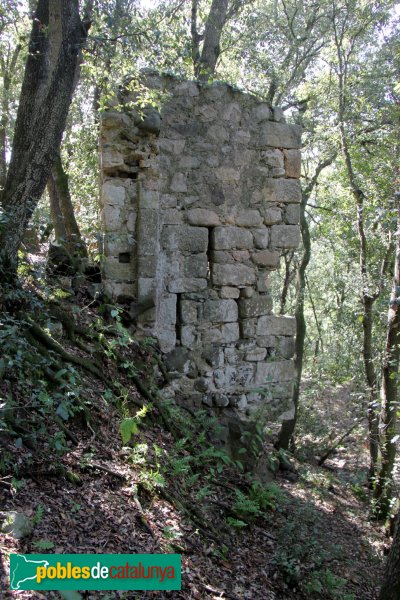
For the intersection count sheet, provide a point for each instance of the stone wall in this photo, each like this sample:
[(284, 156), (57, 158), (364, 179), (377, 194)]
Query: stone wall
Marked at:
[(198, 202)]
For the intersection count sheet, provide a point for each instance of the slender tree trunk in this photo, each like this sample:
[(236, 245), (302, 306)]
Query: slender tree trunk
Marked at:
[(8, 68), (290, 274), (62, 212), (288, 426), (205, 63), (55, 211), (43, 107), (367, 298), (389, 404), (391, 579)]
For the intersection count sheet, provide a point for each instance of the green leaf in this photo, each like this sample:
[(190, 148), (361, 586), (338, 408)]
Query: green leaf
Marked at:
[(43, 544), (127, 428)]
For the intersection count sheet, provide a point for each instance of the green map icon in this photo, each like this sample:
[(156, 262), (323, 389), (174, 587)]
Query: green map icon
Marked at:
[(23, 569)]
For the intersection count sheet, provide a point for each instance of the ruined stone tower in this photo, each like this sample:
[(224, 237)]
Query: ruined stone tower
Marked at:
[(198, 201)]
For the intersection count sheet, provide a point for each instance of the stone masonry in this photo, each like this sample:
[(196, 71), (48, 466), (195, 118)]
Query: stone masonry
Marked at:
[(198, 201)]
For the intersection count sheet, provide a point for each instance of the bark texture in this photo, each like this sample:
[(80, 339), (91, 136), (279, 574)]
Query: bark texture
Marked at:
[(205, 62), (391, 579), (66, 228), (387, 423), (55, 43)]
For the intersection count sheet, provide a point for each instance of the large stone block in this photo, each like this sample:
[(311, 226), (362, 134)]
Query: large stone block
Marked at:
[(285, 347), (229, 292), (273, 158), (274, 325), (292, 163), (188, 311), (111, 159), (147, 232), (272, 215), (235, 275), (166, 313), (115, 243), (212, 335), (222, 257), (249, 218), (282, 190), (184, 238), (292, 214), (113, 269), (187, 284), (285, 236), (248, 328), (203, 217), (172, 216), (147, 266), (279, 135), (256, 354), (261, 113), (271, 372), (230, 333), (266, 258), (117, 290), (255, 306), (149, 199), (228, 238), (111, 218), (166, 339), (221, 311), (196, 266), (131, 221), (189, 337), (261, 237), (113, 195), (146, 286), (115, 120)]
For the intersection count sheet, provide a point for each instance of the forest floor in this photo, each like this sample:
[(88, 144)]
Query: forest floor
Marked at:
[(312, 540)]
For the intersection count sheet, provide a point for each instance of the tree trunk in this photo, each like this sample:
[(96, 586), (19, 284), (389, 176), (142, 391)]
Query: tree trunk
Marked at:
[(390, 368), (66, 228), (391, 579), (290, 274), (55, 211), (205, 63), (288, 426), (8, 67), (368, 299), (57, 34)]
